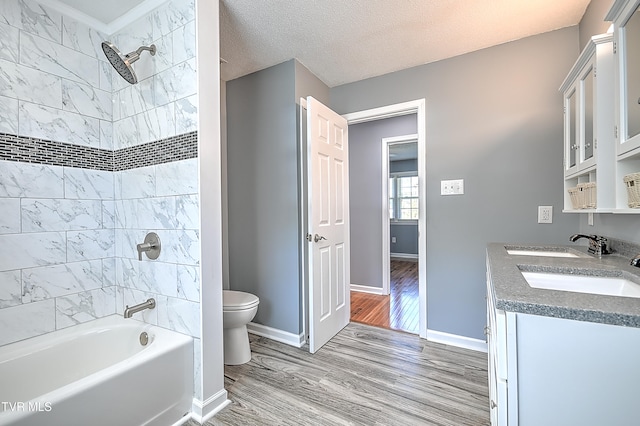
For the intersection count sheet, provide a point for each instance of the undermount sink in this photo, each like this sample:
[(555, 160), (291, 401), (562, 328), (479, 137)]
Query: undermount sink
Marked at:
[(543, 251), (609, 286)]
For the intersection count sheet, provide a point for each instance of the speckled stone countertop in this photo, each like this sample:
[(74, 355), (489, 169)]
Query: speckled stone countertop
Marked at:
[(512, 293)]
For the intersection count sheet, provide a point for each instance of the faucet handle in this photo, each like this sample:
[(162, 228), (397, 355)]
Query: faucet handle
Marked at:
[(636, 261), (151, 246)]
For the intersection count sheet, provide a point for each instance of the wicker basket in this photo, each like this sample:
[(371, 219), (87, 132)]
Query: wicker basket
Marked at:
[(632, 182), (589, 195), (576, 197)]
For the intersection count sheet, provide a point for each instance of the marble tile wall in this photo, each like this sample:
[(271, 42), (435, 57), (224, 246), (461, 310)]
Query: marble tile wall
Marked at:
[(68, 234)]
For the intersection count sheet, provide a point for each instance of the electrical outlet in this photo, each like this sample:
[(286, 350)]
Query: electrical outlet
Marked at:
[(393, 240), (545, 214), (590, 219), (452, 187)]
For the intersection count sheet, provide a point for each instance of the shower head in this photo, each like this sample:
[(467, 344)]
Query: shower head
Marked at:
[(122, 63)]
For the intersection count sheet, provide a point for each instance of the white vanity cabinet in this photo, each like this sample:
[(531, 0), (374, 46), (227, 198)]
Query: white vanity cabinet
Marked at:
[(588, 121), (552, 371)]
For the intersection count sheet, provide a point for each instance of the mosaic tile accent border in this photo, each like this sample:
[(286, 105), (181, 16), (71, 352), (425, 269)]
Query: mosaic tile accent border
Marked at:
[(41, 151), (181, 147)]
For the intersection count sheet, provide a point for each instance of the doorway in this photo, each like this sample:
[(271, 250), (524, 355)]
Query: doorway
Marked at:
[(402, 269)]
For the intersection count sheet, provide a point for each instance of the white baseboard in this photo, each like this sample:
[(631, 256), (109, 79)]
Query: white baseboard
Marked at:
[(281, 336), (456, 340), (203, 411), (404, 256), (366, 289)]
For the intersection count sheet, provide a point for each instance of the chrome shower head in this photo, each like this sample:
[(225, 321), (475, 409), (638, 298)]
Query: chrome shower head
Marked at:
[(122, 63)]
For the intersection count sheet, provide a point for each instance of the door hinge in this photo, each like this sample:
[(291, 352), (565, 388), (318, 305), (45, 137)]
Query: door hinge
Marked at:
[(595, 144), (595, 71), (308, 237), (615, 48), (615, 132)]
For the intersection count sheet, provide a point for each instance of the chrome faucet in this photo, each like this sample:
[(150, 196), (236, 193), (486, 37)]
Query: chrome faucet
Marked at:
[(149, 304), (597, 244), (636, 261)]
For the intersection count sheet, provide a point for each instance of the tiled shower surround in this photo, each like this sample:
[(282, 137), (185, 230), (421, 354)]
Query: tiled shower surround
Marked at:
[(89, 164)]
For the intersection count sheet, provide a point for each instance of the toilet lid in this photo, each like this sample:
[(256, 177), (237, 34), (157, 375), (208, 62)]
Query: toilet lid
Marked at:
[(233, 300)]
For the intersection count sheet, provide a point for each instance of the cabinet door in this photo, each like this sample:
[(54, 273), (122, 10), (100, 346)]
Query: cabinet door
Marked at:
[(571, 132), (629, 91), (587, 106)]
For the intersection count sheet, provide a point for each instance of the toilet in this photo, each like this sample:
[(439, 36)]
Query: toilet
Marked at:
[(238, 308)]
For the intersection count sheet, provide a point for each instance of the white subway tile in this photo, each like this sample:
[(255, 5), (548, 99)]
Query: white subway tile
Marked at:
[(85, 306), (157, 277), (134, 35), (90, 245), (187, 212), (127, 272), (186, 115), (181, 247), (28, 84), (137, 183), (109, 270), (9, 42), (135, 99), (53, 124), (184, 42), (149, 65), (82, 38), (19, 251), (8, 115), (179, 315), (177, 177), (28, 320), (179, 81), (10, 215), (156, 213), (60, 280), (106, 76), (56, 59), (108, 214), (86, 100), (106, 135), (60, 215), (189, 282), (41, 20), (88, 184), (30, 180), (172, 15), (10, 13), (11, 289)]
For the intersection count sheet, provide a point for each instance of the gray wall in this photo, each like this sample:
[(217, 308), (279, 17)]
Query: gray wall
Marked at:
[(406, 236), (593, 22), (365, 189), (263, 192), (494, 119)]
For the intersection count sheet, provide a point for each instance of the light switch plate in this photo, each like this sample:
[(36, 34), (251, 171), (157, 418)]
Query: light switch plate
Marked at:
[(452, 187)]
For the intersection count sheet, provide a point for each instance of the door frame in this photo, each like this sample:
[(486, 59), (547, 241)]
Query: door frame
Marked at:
[(417, 107), (386, 220)]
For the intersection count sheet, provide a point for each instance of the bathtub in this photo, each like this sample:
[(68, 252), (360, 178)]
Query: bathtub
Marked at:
[(98, 373)]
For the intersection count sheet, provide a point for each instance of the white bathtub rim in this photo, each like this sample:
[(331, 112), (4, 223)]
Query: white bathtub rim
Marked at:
[(139, 358)]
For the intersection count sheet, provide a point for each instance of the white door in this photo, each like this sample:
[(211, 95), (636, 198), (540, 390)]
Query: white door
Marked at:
[(328, 219)]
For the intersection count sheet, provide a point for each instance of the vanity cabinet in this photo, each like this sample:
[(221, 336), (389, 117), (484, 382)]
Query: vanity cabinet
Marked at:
[(588, 122), (553, 371)]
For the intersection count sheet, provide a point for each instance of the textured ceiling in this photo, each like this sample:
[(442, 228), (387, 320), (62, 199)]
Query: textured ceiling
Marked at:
[(342, 41)]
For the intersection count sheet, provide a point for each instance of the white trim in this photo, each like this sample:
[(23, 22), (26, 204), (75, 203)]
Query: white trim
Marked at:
[(367, 289), (457, 341), (107, 28), (203, 411), (386, 231), (412, 107), (387, 111), (297, 340), (404, 256), (302, 218), (403, 222)]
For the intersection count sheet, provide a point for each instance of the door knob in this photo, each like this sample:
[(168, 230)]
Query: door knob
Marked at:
[(317, 238)]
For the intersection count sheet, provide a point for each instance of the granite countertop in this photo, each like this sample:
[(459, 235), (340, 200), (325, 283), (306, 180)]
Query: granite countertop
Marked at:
[(512, 293)]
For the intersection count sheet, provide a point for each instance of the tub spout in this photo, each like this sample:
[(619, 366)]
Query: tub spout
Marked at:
[(149, 304)]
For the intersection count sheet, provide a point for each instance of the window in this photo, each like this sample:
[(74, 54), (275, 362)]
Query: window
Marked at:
[(403, 197)]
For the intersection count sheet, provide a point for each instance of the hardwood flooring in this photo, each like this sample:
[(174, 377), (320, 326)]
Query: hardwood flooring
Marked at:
[(363, 376), (398, 310)]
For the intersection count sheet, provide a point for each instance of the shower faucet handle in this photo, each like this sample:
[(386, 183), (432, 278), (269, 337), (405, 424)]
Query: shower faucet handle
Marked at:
[(151, 246)]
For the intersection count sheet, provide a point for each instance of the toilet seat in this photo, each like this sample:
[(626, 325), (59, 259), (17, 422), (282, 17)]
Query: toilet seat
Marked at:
[(238, 300)]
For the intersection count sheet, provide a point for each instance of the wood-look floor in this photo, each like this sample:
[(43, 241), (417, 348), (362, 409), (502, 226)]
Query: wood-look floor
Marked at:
[(363, 376), (400, 309)]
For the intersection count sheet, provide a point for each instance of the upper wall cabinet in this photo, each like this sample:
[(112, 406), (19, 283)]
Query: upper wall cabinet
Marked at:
[(588, 126), (626, 20), (625, 15)]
